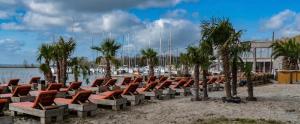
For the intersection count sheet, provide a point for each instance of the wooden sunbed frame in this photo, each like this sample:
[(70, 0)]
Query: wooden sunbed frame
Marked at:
[(110, 98), (150, 92), (20, 94), (51, 86), (132, 96), (42, 107), (79, 103), (167, 92)]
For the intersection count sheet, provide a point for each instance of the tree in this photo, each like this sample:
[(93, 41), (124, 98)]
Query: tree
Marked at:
[(247, 68), (62, 52), (79, 65), (290, 51), (184, 61), (45, 54), (194, 52), (222, 35), (237, 49), (108, 49), (151, 56), (206, 57)]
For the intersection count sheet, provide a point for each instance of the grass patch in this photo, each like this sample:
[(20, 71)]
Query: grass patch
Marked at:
[(224, 120)]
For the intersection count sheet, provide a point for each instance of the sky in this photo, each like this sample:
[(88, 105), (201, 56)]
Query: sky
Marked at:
[(136, 24)]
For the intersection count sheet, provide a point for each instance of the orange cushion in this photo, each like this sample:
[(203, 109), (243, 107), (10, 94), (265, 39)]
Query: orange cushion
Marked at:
[(63, 101), (23, 104), (7, 95)]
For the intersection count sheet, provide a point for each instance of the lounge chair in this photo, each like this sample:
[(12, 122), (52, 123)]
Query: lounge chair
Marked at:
[(150, 92), (125, 81), (113, 99), (43, 107), (162, 79), (20, 94), (180, 89), (110, 82), (138, 80), (167, 92), (79, 103), (151, 79), (10, 86), (131, 94), (51, 86), (95, 85), (72, 89), (34, 82), (189, 83)]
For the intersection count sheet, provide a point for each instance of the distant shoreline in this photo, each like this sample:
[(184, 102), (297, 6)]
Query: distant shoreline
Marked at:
[(18, 66)]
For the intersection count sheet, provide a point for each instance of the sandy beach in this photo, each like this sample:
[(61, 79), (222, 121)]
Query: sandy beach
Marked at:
[(275, 102)]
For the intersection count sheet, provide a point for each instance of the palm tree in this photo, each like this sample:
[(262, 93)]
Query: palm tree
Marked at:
[(151, 56), (206, 57), (290, 51), (247, 68), (184, 60), (193, 53), (79, 65), (237, 50), (222, 35), (108, 49), (63, 51), (45, 53)]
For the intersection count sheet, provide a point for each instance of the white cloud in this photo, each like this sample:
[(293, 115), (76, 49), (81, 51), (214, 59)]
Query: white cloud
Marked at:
[(43, 21), (285, 24), (279, 19), (10, 45), (11, 26), (177, 13), (3, 15)]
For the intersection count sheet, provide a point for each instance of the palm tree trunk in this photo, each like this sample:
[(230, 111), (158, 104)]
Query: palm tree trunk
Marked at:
[(196, 84), (250, 89), (186, 70), (285, 63), (48, 74), (234, 77), (151, 70), (76, 74), (226, 68), (107, 69), (205, 95), (58, 71)]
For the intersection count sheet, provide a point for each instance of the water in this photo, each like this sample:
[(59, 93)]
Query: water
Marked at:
[(25, 74)]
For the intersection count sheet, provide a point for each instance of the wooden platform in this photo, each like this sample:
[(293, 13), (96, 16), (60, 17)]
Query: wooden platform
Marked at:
[(84, 110), (58, 95), (23, 99), (156, 94), (168, 93), (135, 99), (46, 116), (182, 91), (116, 104)]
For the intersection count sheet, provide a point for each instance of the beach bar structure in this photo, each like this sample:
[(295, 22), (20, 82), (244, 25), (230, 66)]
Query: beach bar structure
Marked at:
[(260, 56)]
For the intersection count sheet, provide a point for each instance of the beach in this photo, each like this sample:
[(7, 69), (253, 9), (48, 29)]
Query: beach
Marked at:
[(275, 102)]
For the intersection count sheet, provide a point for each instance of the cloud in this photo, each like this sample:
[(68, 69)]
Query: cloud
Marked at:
[(285, 23), (10, 45), (279, 19), (97, 5), (177, 13)]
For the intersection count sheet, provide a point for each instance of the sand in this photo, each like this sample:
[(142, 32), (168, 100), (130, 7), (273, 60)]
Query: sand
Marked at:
[(275, 102)]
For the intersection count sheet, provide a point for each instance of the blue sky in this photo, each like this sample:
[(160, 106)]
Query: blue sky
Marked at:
[(136, 24)]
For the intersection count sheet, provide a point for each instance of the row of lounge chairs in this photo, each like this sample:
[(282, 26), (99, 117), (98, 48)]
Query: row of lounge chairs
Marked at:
[(53, 102)]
